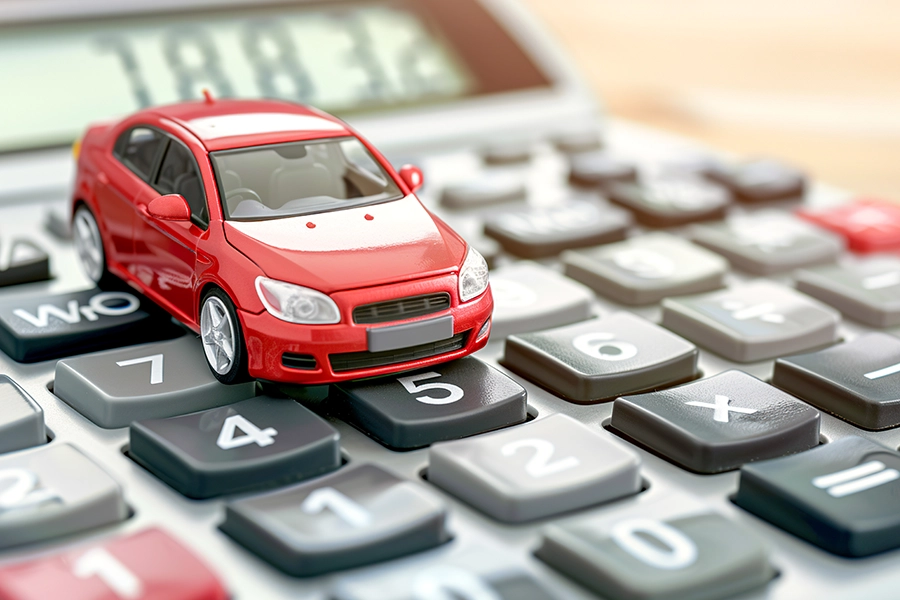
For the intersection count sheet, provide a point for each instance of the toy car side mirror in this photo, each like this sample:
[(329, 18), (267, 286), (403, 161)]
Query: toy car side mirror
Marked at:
[(412, 177), (171, 207)]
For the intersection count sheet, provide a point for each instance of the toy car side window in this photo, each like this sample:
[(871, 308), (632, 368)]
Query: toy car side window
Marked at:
[(140, 151), (178, 174)]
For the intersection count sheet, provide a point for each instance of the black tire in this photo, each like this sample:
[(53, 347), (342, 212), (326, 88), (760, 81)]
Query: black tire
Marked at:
[(86, 233), (216, 304)]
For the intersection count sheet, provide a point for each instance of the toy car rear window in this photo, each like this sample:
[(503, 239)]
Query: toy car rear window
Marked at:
[(300, 178)]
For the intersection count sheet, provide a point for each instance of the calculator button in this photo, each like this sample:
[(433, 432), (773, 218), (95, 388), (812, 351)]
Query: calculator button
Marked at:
[(591, 169), (768, 243), (487, 189), (54, 490), (670, 548), (868, 290), (841, 496), (646, 269), (671, 201), (507, 153), (719, 423), (528, 297), (858, 381), (149, 565), (24, 262), (540, 232), (761, 180), (233, 448), (453, 400), (38, 328), (755, 321), (868, 226), (577, 142), (602, 358), (21, 419), (474, 573), (536, 470), (359, 515), (115, 387)]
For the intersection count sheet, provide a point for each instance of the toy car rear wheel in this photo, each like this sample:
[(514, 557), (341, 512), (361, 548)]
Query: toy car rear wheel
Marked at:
[(223, 340), (89, 247)]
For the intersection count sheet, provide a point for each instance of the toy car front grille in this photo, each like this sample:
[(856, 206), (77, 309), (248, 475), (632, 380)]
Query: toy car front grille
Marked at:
[(352, 361), (403, 308)]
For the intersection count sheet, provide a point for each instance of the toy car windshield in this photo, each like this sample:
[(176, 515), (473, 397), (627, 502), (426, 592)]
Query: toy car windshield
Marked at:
[(285, 180)]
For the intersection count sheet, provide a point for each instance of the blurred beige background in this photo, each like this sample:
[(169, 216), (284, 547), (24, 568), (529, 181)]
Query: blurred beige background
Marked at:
[(816, 82)]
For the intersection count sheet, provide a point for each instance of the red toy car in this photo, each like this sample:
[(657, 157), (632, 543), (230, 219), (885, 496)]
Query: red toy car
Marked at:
[(282, 237)]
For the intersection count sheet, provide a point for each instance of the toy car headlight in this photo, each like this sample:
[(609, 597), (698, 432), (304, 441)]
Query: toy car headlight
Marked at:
[(296, 304), (473, 276)]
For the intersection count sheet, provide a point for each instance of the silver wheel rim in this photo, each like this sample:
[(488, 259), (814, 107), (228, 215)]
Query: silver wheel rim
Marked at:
[(88, 244), (217, 333)]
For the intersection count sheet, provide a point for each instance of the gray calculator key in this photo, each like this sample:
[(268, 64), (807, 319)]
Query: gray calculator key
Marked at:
[(718, 423), (769, 242), (536, 470), (539, 232), (602, 358), (646, 269), (841, 496), (672, 548), (578, 141), (761, 180), (858, 381), (487, 189), (528, 297), (469, 573), (151, 381), (24, 262), (21, 418), (456, 399), (507, 153), (237, 447), (752, 322), (592, 169), (867, 290), (358, 515), (671, 200), (54, 490)]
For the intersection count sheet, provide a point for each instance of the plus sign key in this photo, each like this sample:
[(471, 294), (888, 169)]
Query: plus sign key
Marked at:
[(719, 423), (868, 226), (753, 322)]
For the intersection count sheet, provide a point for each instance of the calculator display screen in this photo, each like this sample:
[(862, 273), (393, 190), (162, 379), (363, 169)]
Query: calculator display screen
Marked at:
[(344, 57)]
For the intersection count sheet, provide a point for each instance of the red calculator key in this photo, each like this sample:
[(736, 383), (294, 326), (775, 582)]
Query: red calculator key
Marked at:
[(867, 225), (149, 565)]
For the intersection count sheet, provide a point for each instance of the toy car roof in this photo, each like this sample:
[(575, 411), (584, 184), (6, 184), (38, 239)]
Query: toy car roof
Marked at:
[(227, 124)]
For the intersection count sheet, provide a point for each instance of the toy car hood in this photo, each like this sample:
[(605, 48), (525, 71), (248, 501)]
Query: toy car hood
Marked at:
[(352, 248)]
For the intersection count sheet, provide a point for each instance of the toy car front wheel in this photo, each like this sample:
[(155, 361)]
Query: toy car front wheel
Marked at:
[(223, 340), (89, 246)]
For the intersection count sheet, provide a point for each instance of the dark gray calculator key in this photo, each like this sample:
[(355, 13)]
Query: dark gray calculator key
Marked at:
[(539, 469), (752, 322), (24, 262), (39, 328), (539, 232), (672, 548), (471, 573), (761, 180), (237, 447), (21, 418), (718, 423), (529, 297), (858, 381), (578, 142), (669, 201), (487, 189), (54, 490), (57, 223), (841, 496), (867, 290), (592, 169), (507, 153), (151, 381), (768, 242), (456, 399), (356, 516), (647, 268), (602, 358)]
